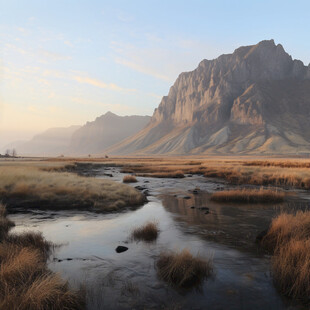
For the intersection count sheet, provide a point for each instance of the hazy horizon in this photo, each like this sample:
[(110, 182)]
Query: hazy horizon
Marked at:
[(64, 64)]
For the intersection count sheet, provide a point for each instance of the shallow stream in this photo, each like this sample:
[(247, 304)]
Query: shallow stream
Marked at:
[(86, 253)]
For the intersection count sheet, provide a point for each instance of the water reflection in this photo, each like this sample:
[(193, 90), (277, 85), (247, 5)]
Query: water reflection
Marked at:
[(236, 225)]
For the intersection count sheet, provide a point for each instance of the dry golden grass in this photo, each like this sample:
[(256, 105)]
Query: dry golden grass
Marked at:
[(129, 179), (287, 172), (287, 227), (281, 164), (278, 172), (289, 240), (183, 269), (19, 183), (147, 232), (248, 196), (5, 223), (291, 269), (25, 282), (33, 240)]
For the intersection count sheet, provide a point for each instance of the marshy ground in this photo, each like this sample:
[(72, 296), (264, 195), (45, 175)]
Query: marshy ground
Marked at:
[(243, 274)]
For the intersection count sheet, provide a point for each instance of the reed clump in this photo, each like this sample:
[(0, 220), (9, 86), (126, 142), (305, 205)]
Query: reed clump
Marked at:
[(147, 232), (249, 196), (288, 238), (129, 179), (182, 269)]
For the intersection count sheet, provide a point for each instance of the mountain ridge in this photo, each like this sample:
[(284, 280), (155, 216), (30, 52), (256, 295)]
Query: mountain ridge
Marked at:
[(104, 131), (255, 100)]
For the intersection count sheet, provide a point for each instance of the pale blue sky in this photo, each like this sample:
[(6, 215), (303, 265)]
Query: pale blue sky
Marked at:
[(66, 62)]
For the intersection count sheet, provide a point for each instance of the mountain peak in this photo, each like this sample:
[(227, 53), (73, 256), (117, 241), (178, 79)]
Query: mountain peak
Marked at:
[(258, 97), (109, 113)]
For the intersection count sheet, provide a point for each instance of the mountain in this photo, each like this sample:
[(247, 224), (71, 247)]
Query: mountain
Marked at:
[(52, 142), (253, 101), (105, 131)]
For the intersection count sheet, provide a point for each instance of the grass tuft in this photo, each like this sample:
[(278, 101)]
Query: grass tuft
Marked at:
[(147, 232), (248, 196), (288, 238), (129, 179), (183, 269), (34, 240)]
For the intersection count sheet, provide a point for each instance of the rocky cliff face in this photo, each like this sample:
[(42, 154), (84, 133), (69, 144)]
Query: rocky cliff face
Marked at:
[(256, 100), (105, 131)]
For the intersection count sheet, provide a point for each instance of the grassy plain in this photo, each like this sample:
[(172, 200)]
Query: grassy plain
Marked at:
[(282, 172), (48, 185)]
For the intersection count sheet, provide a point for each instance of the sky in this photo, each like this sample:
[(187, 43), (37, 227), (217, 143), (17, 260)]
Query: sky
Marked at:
[(66, 62)]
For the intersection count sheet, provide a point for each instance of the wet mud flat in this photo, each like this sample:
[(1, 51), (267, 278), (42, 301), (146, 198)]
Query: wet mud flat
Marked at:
[(87, 241)]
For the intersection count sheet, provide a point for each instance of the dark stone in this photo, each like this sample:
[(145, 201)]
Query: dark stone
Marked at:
[(121, 249), (192, 207), (195, 191), (187, 197), (146, 181), (146, 192), (60, 260), (261, 235), (69, 258), (140, 188), (207, 212), (204, 208), (108, 175)]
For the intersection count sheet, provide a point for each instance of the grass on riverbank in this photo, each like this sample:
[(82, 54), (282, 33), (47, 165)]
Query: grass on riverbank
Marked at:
[(183, 269), (29, 185), (288, 239), (278, 172), (25, 281), (248, 196), (285, 172), (147, 232)]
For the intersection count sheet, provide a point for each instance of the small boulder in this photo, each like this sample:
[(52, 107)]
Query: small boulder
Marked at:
[(121, 249)]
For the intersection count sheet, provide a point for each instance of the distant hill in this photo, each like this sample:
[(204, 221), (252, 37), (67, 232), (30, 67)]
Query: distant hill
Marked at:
[(106, 130), (253, 101), (52, 142)]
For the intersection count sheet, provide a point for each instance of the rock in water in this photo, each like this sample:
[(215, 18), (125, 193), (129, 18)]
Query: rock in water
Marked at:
[(121, 249)]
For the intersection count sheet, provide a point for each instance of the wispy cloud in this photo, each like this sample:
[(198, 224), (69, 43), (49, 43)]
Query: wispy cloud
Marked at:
[(100, 84), (53, 56), (160, 57), (143, 69), (118, 108)]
